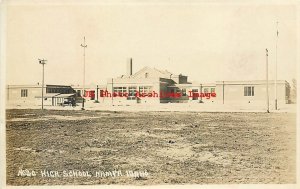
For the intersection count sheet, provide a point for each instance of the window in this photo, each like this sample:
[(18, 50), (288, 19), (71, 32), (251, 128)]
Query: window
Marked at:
[(145, 89), (205, 90), (249, 91), (195, 96), (24, 92), (120, 90), (213, 90), (131, 93), (183, 92)]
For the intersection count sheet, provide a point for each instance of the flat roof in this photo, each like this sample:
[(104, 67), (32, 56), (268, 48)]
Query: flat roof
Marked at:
[(196, 85), (47, 95), (253, 82), (55, 95), (36, 86), (64, 95)]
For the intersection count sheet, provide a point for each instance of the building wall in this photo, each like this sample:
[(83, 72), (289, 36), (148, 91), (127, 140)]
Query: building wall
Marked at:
[(14, 94), (126, 83), (234, 93)]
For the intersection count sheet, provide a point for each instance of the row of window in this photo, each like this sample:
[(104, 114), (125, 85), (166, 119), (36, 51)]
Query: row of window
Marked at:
[(248, 91), (132, 90), (24, 92), (206, 90), (148, 89), (120, 90), (58, 90)]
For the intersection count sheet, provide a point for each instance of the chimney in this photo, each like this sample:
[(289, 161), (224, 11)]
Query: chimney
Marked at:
[(129, 67)]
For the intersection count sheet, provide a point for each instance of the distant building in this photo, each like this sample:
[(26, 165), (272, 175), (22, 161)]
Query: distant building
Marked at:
[(31, 94), (252, 92), (154, 86), (90, 91), (148, 80), (162, 86)]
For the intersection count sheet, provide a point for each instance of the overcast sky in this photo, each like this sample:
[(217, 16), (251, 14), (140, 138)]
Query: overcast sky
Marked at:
[(206, 42)]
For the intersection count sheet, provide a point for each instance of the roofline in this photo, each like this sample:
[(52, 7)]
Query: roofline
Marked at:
[(250, 82), (36, 85)]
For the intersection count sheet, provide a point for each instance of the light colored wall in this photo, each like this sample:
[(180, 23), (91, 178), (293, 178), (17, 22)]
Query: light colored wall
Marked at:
[(234, 94), (13, 94), (34, 93)]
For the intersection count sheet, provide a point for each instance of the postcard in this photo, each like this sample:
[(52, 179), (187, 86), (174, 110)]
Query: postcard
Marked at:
[(162, 94)]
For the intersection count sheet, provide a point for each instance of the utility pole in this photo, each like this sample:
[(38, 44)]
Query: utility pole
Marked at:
[(97, 94), (43, 62), (276, 105), (223, 92), (267, 80), (112, 89), (84, 46), (201, 93)]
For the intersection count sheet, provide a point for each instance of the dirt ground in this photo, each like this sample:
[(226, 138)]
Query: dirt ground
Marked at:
[(159, 147)]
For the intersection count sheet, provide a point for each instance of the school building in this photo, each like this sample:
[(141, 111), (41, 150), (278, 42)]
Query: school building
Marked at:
[(153, 86)]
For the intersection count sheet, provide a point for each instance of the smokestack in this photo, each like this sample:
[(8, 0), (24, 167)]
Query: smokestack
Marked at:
[(129, 67)]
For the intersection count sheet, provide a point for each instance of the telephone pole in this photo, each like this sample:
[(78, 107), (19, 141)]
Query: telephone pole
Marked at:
[(276, 67), (43, 62), (267, 80), (83, 86)]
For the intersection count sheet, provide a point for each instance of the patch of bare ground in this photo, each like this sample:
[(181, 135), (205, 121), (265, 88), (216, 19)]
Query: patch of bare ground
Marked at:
[(173, 147)]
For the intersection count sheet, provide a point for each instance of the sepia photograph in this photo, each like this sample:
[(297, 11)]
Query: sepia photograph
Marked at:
[(149, 93)]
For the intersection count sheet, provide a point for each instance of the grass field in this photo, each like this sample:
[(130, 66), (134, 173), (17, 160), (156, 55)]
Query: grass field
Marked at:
[(161, 147)]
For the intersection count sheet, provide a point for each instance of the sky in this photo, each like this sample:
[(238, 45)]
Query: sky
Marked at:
[(208, 42)]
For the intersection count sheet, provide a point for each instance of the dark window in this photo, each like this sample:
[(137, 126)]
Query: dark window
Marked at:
[(249, 91), (131, 93), (24, 92), (195, 96)]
